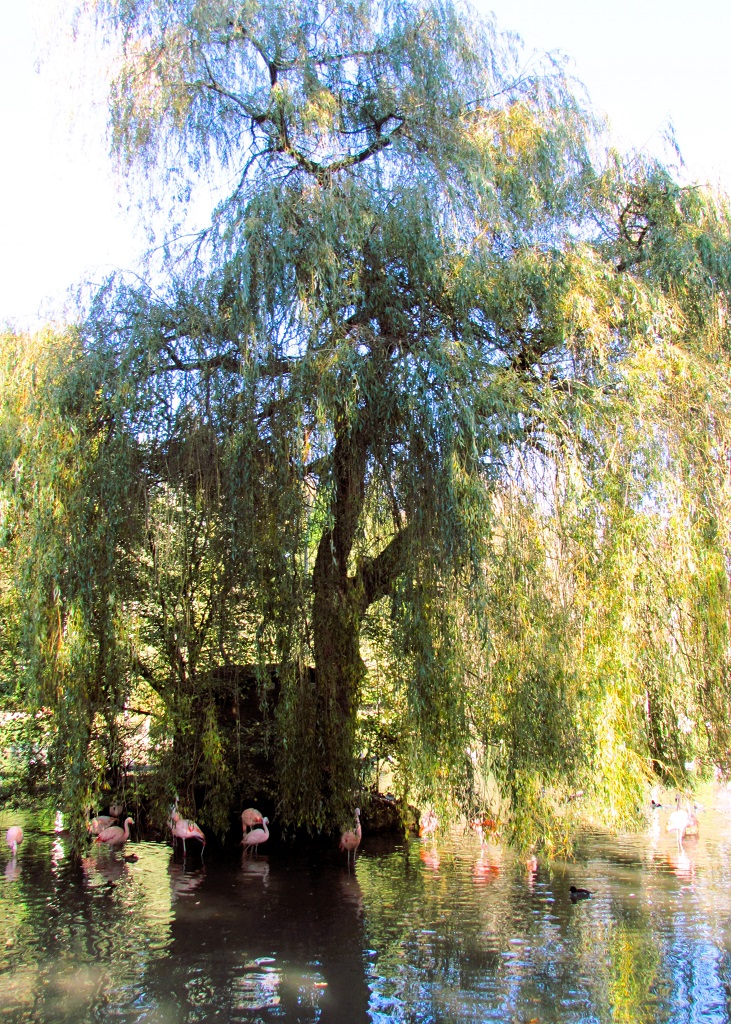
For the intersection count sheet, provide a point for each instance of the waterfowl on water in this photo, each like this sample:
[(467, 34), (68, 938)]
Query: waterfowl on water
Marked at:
[(256, 836), (115, 835), (682, 822), (184, 829), (579, 894), (692, 828), (14, 837), (429, 823), (485, 827), (350, 841), (251, 818), (102, 821)]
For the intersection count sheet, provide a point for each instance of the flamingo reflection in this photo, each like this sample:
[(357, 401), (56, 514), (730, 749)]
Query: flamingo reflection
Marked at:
[(57, 854), (430, 857), (182, 882), (13, 870), (350, 891), (484, 870), (682, 866), (254, 869), (111, 868)]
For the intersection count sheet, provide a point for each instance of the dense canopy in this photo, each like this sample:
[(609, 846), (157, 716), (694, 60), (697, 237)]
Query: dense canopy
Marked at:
[(412, 467)]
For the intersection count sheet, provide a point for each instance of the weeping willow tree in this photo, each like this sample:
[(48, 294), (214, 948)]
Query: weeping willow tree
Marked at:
[(428, 286), (607, 666), (61, 527)]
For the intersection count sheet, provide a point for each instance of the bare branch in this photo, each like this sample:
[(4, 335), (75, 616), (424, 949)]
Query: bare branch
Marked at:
[(376, 576)]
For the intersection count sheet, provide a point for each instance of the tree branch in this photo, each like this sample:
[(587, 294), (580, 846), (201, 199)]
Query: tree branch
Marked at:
[(376, 576), (271, 366), (230, 361), (324, 171)]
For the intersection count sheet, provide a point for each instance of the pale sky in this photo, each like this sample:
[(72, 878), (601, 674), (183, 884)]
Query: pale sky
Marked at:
[(645, 63)]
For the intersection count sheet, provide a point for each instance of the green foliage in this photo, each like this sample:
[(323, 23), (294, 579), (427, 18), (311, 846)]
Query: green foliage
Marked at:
[(63, 464), (433, 417)]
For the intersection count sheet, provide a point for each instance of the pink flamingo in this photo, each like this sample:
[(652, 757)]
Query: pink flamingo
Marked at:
[(253, 839), (350, 841), (682, 822), (430, 824), (14, 837), (250, 818), (102, 821), (531, 871), (184, 829), (115, 835), (484, 826), (692, 828)]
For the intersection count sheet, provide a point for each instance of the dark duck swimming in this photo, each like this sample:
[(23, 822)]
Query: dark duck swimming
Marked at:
[(579, 894)]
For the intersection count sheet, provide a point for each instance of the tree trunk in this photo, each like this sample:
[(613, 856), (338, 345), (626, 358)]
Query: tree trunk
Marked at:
[(336, 618), (339, 603)]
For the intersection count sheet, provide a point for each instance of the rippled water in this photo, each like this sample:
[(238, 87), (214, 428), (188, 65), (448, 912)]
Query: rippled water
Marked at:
[(440, 932)]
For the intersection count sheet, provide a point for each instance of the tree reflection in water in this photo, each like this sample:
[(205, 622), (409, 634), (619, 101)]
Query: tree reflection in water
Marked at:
[(446, 931)]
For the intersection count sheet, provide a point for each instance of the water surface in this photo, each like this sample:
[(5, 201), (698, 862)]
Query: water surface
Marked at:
[(441, 932)]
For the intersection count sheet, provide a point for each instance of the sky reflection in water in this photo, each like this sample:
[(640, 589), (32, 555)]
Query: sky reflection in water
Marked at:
[(420, 932)]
